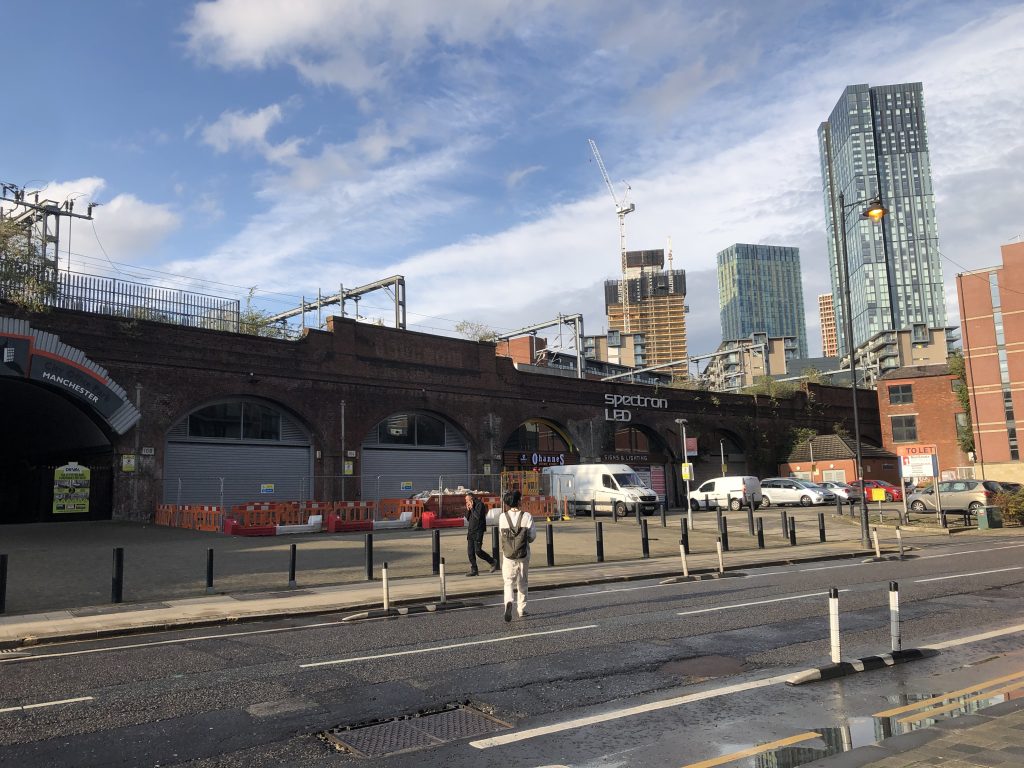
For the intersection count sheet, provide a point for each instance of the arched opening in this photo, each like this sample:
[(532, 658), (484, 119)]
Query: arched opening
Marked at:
[(413, 452), (237, 450), (642, 449), (538, 443), (44, 430)]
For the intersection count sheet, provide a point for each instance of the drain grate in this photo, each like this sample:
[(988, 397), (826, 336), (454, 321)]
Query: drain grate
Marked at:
[(411, 732)]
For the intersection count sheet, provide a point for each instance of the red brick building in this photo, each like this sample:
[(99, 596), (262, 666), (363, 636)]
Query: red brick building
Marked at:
[(918, 405), (834, 457), (992, 326)]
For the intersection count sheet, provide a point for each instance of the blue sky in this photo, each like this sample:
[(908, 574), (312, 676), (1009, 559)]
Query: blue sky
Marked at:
[(298, 145)]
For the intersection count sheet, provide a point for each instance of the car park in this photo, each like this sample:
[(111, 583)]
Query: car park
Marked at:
[(892, 492), (843, 491), (965, 495), (732, 491), (789, 490)]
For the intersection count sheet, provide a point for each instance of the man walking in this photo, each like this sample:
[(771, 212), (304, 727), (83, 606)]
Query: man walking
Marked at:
[(476, 525), (517, 531)]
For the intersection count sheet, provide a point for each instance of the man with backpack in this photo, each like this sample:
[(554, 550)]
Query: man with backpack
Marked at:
[(516, 531)]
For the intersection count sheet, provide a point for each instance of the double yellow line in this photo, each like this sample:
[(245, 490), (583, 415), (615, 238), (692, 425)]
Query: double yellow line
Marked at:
[(927, 709)]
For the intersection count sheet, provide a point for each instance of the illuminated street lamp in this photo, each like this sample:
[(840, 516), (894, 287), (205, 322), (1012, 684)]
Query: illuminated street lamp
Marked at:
[(874, 210)]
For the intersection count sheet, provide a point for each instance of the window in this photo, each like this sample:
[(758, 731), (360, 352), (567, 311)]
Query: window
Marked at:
[(954, 385), (236, 421), (904, 429), (901, 394), (607, 482), (961, 421)]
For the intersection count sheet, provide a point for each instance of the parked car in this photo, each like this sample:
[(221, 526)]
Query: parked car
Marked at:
[(789, 490), (970, 495), (843, 491), (892, 492), (1009, 486), (734, 491)]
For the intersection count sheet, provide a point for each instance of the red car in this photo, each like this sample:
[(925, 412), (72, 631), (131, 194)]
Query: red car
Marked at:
[(892, 492)]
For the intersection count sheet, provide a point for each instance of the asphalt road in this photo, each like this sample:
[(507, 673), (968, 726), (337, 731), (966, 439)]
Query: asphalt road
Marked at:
[(636, 674)]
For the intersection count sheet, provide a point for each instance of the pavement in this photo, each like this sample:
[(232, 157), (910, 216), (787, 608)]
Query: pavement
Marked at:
[(55, 559)]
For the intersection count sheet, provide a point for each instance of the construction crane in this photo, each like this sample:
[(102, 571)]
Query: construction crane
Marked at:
[(621, 209)]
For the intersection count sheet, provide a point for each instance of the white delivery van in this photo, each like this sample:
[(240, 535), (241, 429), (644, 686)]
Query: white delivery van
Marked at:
[(613, 486), (734, 492)]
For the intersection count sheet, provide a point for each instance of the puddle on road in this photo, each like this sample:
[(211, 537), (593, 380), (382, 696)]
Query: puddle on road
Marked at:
[(864, 731)]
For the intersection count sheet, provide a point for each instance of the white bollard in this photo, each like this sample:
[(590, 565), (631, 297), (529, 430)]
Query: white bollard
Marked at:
[(682, 556), (894, 616), (444, 591), (899, 540), (874, 538), (384, 584), (833, 623), (721, 562)]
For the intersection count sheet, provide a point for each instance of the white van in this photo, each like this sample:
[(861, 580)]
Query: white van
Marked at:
[(734, 492), (613, 486)]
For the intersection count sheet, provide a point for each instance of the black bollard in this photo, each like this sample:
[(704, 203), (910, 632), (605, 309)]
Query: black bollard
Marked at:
[(593, 509), (663, 505), (785, 523), (718, 515), (750, 516), (821, 526), (839, 506), (760, 533), (684, 535), (728, 501), (368, 549), (645, 546), (3, 583), (792, 532), (209, 571), (707, 503), (851, 503), (636, 511), (495, 554), (291, 567), (599, 540), (550, 532), (435, 551), (117, 579), (725, 534)]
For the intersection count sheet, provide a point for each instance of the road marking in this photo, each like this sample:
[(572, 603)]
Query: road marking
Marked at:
[(962, 575), (756, 602), (131, 646), (970, 552), (760, 748), (589, 594), (939, 699), (930, 713), (617, 714), (977, 638), (434, 649), (25, 707)]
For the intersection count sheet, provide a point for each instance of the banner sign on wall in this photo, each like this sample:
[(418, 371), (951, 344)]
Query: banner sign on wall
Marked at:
[(71, 489)]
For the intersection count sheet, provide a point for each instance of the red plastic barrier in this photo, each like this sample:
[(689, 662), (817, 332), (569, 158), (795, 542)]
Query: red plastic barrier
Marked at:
[(431, 520), (338, 524)]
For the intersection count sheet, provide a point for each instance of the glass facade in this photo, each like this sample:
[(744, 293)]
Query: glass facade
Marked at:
[(759, 291), (875, 143)]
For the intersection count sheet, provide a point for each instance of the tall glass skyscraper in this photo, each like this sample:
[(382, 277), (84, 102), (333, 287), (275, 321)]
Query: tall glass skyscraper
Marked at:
[(759, 291), (875, 143)]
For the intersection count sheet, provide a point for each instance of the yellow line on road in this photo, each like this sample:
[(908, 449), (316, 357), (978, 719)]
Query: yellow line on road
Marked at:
[(928, 714), (722, 760), (945, 697)]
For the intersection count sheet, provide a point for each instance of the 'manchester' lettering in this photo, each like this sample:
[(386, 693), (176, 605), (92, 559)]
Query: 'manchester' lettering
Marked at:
[(636, 401), (69, 384)]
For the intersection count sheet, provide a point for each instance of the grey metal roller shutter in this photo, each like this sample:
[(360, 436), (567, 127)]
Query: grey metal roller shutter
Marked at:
[(385, 469), (193, 473)]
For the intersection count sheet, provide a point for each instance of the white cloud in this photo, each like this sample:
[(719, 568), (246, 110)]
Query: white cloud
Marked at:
[(516, 177), (249, 130)]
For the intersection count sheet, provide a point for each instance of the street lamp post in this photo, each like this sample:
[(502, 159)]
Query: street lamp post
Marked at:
[(874, 211), (685, 460), (721, 450)]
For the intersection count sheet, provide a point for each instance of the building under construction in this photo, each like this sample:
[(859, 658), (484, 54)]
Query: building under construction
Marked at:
[(649, 327)]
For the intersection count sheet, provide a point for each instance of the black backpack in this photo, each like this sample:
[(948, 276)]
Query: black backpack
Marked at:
[(515, 540)]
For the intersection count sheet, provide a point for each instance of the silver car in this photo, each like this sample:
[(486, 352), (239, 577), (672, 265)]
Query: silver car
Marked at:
[(789, 490), (843, 491), (970, 495)]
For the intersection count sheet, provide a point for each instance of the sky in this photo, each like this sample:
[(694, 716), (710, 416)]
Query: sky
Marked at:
[(296, 146)]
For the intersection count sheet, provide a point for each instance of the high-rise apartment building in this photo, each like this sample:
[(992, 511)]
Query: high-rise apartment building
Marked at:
[(827, 319), (759, 291), (656, 308), (875, 143)]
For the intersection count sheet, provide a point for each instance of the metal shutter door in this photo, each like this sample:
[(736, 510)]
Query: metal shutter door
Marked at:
[(384, 470)]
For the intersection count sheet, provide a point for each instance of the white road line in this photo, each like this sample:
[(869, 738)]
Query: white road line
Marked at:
[(830, 567), (182, 640), (434, 649), (756, 602), (599, 592), (963, 575), (25, 707), (617, 714), (970, 552), (978, 638)]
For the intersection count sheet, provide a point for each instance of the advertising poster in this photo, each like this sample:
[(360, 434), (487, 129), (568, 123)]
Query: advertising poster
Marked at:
[(71, 489)]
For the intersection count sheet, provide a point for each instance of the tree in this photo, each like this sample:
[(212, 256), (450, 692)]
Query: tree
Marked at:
[(256, 322), (964, 433), (476, 331), (26, 277)]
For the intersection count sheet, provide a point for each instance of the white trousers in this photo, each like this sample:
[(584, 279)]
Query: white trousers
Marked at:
[(515, 574)]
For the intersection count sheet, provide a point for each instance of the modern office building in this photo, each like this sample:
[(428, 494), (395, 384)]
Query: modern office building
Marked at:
[(992, 323), (652, 321), (827, 319), (875, 143), (759, 291)]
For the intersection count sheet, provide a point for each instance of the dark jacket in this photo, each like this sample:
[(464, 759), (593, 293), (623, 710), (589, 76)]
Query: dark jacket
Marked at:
[(476, 519)]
